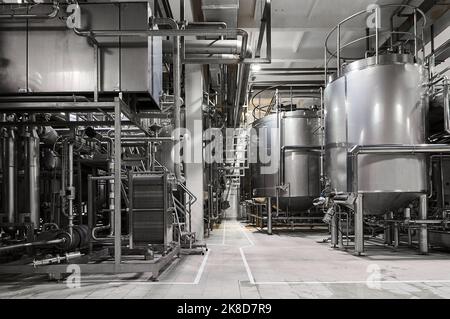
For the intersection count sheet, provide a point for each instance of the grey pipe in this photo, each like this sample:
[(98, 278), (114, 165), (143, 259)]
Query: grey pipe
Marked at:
[(70, 189), (32, 244), (10, 170), (423, 232), (176, 84), (400, 149), (32, 151), (445, 96)]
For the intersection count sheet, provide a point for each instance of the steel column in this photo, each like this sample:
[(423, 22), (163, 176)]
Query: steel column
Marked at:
[(117, 184), (269, 215)]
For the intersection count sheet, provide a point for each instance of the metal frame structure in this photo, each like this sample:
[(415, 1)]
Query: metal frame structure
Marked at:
[(117, 107), (358, 204)]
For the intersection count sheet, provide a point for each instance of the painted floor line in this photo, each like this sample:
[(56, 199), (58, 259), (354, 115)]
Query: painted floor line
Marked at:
[(247, 268), (349, 282), (202, 268), (195, 282)]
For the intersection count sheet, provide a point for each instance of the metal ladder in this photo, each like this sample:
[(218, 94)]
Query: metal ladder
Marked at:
[(236, 156)]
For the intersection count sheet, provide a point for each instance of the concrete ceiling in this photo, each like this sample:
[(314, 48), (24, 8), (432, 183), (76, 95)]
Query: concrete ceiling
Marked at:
[(299, 27)]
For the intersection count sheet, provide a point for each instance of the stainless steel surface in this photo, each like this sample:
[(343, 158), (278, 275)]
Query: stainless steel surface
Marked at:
[(359, 224), (423, 231), (66, 62), (10, 175), (32, 156), (378, 104), (269, 215), (300, 169)]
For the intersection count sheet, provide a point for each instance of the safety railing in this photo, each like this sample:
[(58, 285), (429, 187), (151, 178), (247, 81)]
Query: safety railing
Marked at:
[(337, 55)]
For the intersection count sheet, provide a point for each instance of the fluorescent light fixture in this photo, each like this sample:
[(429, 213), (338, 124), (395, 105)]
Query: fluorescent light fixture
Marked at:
[(256, 67)]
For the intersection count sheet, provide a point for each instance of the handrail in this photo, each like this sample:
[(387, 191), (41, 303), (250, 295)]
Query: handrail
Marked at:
[(338, 29), (51, 15), (191, 195)]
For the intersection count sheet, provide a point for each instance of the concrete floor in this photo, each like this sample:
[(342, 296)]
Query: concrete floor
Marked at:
[(245, 263)]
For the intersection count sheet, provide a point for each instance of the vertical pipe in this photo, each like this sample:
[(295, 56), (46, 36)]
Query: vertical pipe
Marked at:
[(446, 97), (70, 188), (177, 98), (407, 213), (10, 175), (97, 73), (90, 208), (415, 34), (423, 232), (111, 197), (131, 205), (338, 51), (117, 183), (377, 40), (340, 233), (334, 230), (387, 229), (396, 235), (269, 215), (32, 148), (359, 225)]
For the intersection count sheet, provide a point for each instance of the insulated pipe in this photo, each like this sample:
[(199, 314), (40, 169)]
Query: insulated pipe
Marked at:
[(171, 33), (176, 84), (207, 47), (446, 97), (70, 189), (32, 151), (402, 148), (10, 175), (423, 232)]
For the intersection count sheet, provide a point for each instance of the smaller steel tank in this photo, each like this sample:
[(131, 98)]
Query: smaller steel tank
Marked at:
[(297, 176)]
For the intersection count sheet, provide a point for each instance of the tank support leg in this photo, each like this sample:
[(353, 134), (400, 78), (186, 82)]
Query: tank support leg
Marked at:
[(334, 230), (269, 215), (423, 233), (359, 225)]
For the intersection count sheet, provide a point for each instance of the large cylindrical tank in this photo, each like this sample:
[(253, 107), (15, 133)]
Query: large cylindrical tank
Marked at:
[(376, 104), (298, 173)]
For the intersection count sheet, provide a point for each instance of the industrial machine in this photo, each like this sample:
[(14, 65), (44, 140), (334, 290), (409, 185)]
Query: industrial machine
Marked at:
[(376, 123), (92, 102), (293, 139)]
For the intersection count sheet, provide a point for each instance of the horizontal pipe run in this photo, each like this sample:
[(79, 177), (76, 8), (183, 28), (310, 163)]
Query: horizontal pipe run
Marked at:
[(32, 244), (400, 149)]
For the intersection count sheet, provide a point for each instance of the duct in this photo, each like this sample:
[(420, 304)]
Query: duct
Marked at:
[(176, 83), (221, 10), (53, 14)]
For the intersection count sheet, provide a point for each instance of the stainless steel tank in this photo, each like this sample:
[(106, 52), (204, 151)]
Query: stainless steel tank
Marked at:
[(299, 171), (375, 104)]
